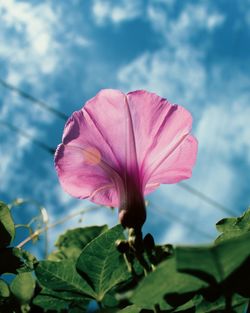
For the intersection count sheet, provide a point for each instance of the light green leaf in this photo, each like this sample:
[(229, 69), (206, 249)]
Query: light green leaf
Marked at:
[(23, 286), (101, 263), (62, 276), (233, 227), (73, 241), (215, 262), (131, 309), (7, 227), (165, 280), (4, 289)]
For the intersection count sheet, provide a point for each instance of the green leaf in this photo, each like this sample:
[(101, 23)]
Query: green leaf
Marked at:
[(4, 289), (62, 276), (110, 300), (73, 241), (28, 260), (219, 304), (233, 227), (101, 264), (187, 307), (59, 300), (23, 286), (131, 309), (214, 263), (48, 302), (164, 281), (7, 227)]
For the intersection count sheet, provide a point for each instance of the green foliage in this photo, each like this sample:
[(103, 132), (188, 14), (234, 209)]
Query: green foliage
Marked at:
[(214, 263), (23, 287), (238, 303), (234, 226), (163, 282), (4, 290), (71, 244), (131, 309), (87, 266), (62, 276), (101, 264), (7, 227), (51, 300), (16, 296)]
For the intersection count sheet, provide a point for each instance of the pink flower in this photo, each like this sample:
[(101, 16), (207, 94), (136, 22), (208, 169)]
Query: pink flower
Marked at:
[(120, 147)]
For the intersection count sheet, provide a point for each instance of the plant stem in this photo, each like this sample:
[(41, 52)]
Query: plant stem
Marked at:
[(63, 220), (157, 309)]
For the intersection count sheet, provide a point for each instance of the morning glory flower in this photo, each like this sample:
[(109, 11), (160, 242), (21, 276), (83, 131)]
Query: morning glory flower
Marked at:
[(120, 147)]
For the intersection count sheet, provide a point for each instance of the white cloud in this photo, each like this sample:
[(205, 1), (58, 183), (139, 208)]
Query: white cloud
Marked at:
[(31, 39), (124, 10), (176, 70), (178, 75), (191, 19), (35, 27), (79, 40), (230, 123), (215, 20), (31, 49)]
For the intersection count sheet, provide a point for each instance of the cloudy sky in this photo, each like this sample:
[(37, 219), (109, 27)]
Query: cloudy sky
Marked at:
[(194, 53)]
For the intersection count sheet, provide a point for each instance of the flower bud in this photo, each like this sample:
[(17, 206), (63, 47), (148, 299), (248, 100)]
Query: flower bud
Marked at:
[(122, 246), (149, 242)]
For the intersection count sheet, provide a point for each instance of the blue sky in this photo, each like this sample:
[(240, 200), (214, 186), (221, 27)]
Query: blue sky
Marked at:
[(194, 53)]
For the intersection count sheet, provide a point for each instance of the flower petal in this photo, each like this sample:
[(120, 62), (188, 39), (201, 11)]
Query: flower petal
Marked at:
[(83, 177), (161, 130), (103, 126), (177, 166)]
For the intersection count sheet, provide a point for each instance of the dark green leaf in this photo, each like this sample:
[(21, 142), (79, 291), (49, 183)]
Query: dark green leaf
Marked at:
[(101, 264), (187, 307), (110, 300), (233, 227), (220, 304), (62, 276), (7, 227), (165, 280), (73, 241), (59, 300), (239, 281), (4, 289), (51, 303), (214, 263), (23, 286)]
